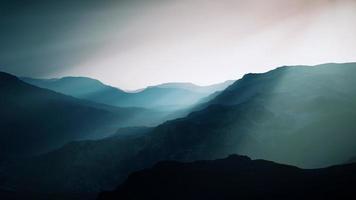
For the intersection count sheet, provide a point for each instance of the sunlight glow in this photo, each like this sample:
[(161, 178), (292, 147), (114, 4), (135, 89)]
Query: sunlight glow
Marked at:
[(206, 42)]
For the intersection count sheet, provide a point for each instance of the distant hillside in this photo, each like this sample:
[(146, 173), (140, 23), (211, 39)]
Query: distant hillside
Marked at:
[(169, 96), (236, 177), (196, 88), (80, 87), (34, 120)]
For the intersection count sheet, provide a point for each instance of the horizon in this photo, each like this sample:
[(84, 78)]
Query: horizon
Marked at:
[(118, 87), (158, 84)]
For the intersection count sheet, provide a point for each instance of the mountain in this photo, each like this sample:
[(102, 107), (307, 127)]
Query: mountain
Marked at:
[(80, 87), (236, 177), (298, 115), (169, 96), (35, 120)]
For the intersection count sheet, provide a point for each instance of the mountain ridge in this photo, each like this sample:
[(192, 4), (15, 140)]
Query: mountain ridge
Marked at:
[(235, 177), (29, 114), (161, 97)]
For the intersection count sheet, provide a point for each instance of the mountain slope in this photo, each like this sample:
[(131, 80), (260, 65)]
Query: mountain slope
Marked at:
[(236, 177), (169, 96), (34, 120)]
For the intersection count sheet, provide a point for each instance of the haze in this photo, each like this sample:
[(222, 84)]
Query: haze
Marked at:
[(133, 44)]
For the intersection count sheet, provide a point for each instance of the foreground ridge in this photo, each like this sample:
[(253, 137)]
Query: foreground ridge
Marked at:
[(236, 177)]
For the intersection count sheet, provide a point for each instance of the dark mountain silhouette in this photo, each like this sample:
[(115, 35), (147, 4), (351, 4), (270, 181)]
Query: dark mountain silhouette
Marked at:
[(299, 115), (35, 120), (236, 177), (169, 96)]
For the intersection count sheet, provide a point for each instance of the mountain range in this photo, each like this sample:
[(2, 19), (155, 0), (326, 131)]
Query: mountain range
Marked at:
[(35, 120), (297, 115), (168, 96), (282, 115)]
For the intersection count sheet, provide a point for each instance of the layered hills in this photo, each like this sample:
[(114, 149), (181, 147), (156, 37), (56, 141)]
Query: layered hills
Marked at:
[(297, 115)]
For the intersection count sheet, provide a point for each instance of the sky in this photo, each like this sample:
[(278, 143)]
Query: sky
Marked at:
[(131, 44)]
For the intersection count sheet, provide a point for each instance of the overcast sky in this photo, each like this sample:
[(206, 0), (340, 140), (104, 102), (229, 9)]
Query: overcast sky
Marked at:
[(134, 43)]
